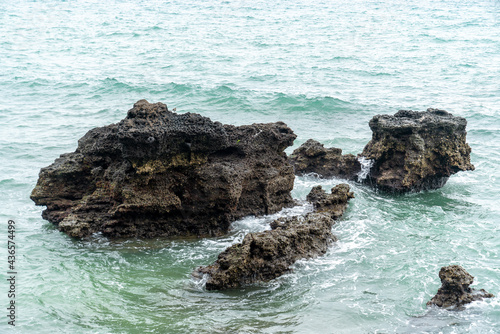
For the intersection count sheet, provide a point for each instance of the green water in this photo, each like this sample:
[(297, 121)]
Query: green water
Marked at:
[(324, 68)]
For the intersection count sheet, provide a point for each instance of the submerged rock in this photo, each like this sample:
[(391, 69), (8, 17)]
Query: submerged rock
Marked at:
[(266, 255), (455, 290), (413, 151), (410, 151), (313, 157), (158, 173)]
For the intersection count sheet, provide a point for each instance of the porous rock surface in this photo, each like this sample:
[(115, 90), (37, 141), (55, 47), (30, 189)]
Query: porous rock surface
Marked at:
[(266, 255), (158, 173), (413, 150), (313, 157), (409, 151), (455, 290)]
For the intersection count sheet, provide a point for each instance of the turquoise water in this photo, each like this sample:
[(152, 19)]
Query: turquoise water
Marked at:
[(324, 68)]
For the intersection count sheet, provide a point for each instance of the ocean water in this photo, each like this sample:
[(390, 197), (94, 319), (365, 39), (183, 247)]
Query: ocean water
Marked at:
[(324, 68)]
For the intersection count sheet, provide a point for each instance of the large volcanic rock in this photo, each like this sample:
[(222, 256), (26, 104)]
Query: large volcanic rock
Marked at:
[(455, 290), (313, 157), (158, 173), (263, 256), (414, 150)]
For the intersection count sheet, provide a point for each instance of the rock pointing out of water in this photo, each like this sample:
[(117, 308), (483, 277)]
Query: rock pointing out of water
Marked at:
[(410, 151), (455, 290), (158, 173), (414, 150), (266, 255), (313, 157)]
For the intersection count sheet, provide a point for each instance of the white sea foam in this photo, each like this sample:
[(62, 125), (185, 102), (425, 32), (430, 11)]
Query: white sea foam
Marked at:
[(366, 165)]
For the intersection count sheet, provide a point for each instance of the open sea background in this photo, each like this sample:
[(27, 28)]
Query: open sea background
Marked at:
[(323, 67)]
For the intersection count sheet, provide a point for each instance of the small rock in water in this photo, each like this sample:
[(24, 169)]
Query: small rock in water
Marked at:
[(455, 290), (313, 157)]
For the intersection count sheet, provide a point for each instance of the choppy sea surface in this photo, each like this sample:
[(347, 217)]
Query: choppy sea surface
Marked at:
[(324, 68)]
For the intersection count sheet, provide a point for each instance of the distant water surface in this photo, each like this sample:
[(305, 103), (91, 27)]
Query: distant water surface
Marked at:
[(324, 68)]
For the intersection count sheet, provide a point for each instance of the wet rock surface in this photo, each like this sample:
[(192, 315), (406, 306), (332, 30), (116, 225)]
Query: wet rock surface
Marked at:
[(413, 150), (266, 255), (158, 173), (455, 290), (313, 157)]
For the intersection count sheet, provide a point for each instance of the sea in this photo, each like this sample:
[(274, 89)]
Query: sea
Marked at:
[(325, 68)]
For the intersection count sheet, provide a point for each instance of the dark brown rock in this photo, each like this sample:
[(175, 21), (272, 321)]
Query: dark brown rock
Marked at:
[(413, 151), (410, 151), (266, 255), (158, 173), (313, 157), (334, 204), (455, 290)]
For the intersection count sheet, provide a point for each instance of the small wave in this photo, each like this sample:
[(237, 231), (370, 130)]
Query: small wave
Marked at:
[(114, 34), (343, 58), (112, 86), (224, 89), (180, 88), (441, 40), (8, 182), (369, 73), (38, 83), (301, 102), (263, 77)]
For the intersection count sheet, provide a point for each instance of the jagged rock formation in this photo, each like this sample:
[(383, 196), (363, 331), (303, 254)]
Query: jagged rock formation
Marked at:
[(413, 151), (333, 204), (158, 173), (313, 157), (410, 151), (263, 256), (455, 290)]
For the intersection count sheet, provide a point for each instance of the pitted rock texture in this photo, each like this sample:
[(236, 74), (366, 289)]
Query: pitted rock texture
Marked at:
[(313, 157), (455, 290), (266, 255), (334, 203), (410, 151), (158, 173), (413, 151)]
